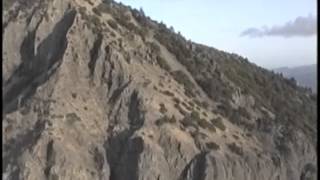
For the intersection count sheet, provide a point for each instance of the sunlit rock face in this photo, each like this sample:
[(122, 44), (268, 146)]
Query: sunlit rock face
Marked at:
[(96, 90)]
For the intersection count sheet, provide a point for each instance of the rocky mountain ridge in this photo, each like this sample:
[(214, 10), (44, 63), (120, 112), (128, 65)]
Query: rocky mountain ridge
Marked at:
[(97, 90), (304, 75)]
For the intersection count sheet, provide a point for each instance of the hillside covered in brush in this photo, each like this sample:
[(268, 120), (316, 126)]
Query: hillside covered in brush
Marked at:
[(97, 90)]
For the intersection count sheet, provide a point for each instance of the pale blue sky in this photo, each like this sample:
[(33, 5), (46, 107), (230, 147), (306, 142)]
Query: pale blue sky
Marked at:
[(219, 23)]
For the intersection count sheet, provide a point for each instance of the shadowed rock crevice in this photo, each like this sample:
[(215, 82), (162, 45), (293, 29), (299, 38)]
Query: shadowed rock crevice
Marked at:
[(109, 82), (309, 172), (111, 68), (135, 115), (123, 153), (14, 148), (116, 94), (27, 49), (50, 159), (22, 5), (114, 77), (122, 149), (215, 167), (37, 68), (99, 161), (196, 169), (94, 53)]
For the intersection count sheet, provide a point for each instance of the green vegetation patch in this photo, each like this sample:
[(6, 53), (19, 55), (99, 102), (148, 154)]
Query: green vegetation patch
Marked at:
[(180, 109), (168, 93), (212, 146), (193, 119), (155, 48), (166, 119), (112, 24), (217, 122), (176, 100), (235, 149), (206, 125), (163, 63), (6, 4), (163, 109), (72, 118), (183, 79)]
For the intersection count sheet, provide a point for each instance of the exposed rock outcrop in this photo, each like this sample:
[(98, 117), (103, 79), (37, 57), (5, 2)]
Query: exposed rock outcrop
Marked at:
[(96, 90)]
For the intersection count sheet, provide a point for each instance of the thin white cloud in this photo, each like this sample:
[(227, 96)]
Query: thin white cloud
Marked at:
[(301, 26)]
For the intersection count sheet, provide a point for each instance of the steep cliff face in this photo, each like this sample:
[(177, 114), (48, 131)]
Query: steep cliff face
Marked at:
[(96, 90)]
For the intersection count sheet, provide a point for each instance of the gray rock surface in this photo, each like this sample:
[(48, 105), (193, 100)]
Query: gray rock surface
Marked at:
[(86, 99)]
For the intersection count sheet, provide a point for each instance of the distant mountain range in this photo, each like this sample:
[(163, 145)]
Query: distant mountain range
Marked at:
[(304, 75)]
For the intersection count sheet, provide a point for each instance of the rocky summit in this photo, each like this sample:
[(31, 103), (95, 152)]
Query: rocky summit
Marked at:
[(98, 90)]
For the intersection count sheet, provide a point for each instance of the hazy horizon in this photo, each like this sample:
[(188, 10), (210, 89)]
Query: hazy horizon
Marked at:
[(270, 34), (292, 67)]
